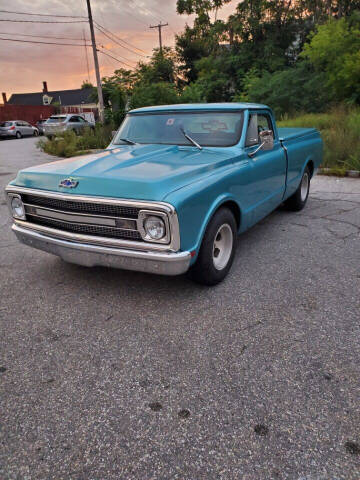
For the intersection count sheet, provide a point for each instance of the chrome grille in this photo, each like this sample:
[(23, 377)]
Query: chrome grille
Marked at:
[(96, 230), (82, 207)]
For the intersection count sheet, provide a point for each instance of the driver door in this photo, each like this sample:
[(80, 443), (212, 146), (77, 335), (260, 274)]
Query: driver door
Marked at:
[(267, 172)]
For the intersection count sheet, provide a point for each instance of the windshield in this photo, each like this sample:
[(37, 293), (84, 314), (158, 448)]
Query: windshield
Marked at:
[(55, 119), (210, 129)]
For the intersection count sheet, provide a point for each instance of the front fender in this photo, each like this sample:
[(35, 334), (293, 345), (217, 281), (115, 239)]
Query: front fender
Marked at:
[(196, 204)]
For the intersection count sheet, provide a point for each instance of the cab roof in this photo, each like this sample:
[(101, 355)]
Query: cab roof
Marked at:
[(200, 106)]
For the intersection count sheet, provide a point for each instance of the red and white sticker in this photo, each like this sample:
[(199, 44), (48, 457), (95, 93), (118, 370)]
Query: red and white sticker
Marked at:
[(170, 121)]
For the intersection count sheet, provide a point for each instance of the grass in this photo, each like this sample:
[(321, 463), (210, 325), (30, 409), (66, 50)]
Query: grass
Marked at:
[(68, 144), (340, 130)]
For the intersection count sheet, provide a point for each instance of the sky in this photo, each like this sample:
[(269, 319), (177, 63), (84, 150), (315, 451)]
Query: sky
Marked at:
[(24, 66)]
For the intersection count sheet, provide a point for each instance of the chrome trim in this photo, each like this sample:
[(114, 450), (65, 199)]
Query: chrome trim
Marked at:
[(94, 240), (174, 244), (82, 218), (140, 225), (163, 263), (9, 198)]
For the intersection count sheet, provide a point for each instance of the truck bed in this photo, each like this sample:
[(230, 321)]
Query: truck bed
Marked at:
[(286, 133)]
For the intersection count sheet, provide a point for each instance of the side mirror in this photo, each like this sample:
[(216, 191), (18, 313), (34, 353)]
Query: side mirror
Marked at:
[(266, 142), (267, 139)]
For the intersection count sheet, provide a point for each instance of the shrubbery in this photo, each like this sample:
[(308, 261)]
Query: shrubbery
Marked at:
[(68, 144), (340, 131)]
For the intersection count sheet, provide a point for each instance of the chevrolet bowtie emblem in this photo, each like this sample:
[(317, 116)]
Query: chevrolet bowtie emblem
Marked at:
[(68, 183)]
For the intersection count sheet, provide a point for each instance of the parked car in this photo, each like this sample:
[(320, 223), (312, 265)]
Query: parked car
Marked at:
[(18, 129), (61, 123), (171, 192), (40, 125)]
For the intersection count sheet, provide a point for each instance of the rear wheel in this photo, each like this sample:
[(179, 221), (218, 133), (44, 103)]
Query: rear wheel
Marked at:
[(217, 250), (18, 135), (298, 200)]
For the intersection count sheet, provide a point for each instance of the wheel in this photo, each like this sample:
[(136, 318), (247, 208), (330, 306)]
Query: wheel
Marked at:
[(18, 135), (217, 250), (298, 200), (36, 133)]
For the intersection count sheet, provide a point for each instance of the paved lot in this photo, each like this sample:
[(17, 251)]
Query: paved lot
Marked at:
[(110, 374)]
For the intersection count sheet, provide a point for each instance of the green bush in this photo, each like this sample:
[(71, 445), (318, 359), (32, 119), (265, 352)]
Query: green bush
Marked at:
[(68, 144), (339, 129)]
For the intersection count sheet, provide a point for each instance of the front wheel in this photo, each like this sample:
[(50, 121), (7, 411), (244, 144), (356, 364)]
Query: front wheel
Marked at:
[(36, 133), (217, 250), (298, 200)]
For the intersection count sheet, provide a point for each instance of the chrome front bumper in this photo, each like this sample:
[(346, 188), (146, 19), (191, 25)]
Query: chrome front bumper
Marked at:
[(159, 262)]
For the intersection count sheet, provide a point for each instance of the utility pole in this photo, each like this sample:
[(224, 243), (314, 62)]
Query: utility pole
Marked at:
[(96, 63), (159, 27), (86, 55)]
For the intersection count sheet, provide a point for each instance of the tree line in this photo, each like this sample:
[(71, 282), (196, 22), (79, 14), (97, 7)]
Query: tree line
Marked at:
[(294, 55)]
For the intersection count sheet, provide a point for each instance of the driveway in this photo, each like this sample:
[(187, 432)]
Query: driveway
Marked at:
[(109, 375)]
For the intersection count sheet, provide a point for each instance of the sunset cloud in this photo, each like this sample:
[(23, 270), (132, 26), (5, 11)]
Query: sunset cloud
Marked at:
[(23, 66)]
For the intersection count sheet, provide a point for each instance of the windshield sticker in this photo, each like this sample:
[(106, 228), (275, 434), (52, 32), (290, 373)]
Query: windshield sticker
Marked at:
[(170, 121)]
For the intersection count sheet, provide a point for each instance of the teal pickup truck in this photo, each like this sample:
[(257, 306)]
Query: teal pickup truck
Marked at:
[(172, 191)]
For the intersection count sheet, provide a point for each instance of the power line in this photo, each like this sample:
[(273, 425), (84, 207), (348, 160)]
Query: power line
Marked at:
[(114, 58), (41, 21), (122, 46), (43, 36), (103, 30), (41, 14), (43, 43), (127, 59)]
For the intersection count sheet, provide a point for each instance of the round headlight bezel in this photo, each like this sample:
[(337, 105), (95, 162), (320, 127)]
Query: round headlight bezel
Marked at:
[(148, 215), (17, 207)]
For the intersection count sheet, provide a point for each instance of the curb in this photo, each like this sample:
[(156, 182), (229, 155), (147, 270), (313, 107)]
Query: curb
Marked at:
[(337, 172)]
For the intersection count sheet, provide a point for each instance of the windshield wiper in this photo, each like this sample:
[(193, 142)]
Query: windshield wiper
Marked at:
[(126, 140), (190, 139)]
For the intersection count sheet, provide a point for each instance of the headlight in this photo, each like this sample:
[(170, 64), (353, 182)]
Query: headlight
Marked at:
[(155, 227), (17, 207)]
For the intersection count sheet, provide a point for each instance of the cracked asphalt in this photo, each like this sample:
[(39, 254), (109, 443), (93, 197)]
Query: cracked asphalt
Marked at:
[(107, 374)]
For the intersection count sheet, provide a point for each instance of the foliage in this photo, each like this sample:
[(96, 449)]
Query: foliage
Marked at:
[(161, 93), (68, 144), (335, 49), (288, 91), (87, 84), (340, 131)]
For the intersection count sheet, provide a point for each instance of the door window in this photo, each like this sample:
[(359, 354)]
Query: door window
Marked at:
[(74, 119), (257, 123)]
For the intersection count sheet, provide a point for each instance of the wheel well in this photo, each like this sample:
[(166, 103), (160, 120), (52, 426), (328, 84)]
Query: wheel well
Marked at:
[(234, 208), (310, 164)]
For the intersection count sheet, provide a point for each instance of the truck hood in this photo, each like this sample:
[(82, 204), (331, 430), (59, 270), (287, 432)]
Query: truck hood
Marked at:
[(142, 172)]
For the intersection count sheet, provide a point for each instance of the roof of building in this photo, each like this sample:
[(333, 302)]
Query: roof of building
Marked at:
[(64, 97), (200, 106)]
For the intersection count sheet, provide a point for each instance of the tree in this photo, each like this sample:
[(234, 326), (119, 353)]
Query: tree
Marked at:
[(87, 84), (335, 49), (161, 93)]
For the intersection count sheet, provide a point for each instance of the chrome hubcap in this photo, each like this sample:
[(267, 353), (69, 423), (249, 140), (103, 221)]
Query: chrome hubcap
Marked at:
[(222, 247), (304, 186)]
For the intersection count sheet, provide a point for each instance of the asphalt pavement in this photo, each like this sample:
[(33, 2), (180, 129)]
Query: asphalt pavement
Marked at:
[(116, 375)]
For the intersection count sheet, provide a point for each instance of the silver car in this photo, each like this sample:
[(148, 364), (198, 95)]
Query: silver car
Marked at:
[(61, 123), (18, 129)]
